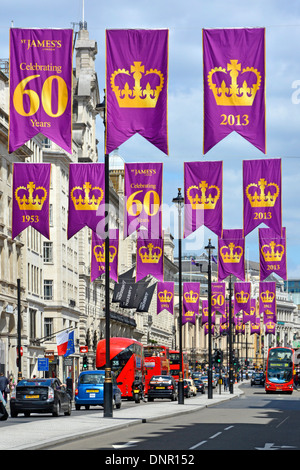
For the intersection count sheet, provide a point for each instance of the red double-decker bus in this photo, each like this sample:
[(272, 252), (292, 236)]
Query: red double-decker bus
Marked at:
[(280, 370), (156, 362), (127, 361), (175, 364)]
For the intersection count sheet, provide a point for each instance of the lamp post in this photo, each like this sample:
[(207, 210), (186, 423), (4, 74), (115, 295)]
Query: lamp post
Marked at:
[(179, 202), (230, 339), (108, 408), (209, 249)]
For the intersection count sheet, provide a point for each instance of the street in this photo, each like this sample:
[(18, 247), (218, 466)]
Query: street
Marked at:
[(254, 421)]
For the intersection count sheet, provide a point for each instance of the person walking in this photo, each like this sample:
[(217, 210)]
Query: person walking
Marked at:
[(225, 382), (4, 383)]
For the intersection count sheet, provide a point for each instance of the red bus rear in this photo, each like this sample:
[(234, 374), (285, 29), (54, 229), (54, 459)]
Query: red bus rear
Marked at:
[(127, 361), (156, 363), (280, 370), (175, 364)]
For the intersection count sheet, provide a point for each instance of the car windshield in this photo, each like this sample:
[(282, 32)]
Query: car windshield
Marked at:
[(95, 379), (34, 383)]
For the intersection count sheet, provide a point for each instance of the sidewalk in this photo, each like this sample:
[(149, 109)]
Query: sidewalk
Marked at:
[(47, 430)]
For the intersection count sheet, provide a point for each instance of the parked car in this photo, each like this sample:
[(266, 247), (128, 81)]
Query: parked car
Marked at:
[(186, 389), (193, 388), (199, 385), (162, 386), (40, 396), (258, 379), (90, 390)]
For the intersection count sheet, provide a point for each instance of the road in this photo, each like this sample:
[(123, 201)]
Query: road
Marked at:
[(255, 421)]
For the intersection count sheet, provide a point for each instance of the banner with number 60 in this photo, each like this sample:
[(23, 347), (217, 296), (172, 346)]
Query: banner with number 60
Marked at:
[(40, 86)]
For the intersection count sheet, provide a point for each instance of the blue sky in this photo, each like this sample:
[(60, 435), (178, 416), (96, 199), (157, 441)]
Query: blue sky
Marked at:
[(185, 21)]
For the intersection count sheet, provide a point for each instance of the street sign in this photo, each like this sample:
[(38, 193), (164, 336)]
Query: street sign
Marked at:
[(43, 364)]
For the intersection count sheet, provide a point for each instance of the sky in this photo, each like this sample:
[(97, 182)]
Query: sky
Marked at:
[(185, 20)]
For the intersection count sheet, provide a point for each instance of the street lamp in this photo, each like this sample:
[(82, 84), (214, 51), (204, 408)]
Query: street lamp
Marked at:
[(101, 108), (209, 249), (230, 339), (179, 202)]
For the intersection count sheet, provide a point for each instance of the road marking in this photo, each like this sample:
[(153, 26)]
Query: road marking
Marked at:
[(282, 422), (126, 445), (215, 435), (197, 445), (271, 446), (229, 427)]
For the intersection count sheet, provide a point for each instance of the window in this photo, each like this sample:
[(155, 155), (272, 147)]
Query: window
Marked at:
[(48, 289), (32, 314), (48, 327), (48, 252)]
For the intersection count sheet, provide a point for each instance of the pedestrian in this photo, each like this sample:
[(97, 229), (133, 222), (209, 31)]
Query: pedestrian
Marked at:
[(225, 382), (3, 411), (4, 384)]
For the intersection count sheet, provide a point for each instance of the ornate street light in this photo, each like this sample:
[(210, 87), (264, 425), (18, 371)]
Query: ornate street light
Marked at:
[(179, 202)]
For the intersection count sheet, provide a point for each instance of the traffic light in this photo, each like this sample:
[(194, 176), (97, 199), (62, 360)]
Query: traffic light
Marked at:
[(84, 362), (219, 356)]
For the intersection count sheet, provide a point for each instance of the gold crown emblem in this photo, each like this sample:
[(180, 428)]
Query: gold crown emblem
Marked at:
[(30, 202), (262, 199), (191, 297), (267, 296), (242, 297), (254, 326), (99, 253), (87, 203), (269, 313), (189, 313), (203, 201), (231, 253), (270, 324), (165, 296), (269, 253), (150, 253), (137, 98), (234, 95)]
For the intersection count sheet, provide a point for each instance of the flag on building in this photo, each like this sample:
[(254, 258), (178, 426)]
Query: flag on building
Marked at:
[(62, 341)]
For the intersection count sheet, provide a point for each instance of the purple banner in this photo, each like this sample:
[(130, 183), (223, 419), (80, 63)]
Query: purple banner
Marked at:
[(86, 198), (40, 86), (267, 301), (98, 255), (270, 327), (149, 258), (136, 86), (31, 191), (165, 297), (204, 318), (262, 194), (255, 325), (239, 326), (218, 297), (252, 316), (191, 302), (234, 85), (206, 329), (242, 298), (143, 199), (231, 254), (203, 193), (272, 251)]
